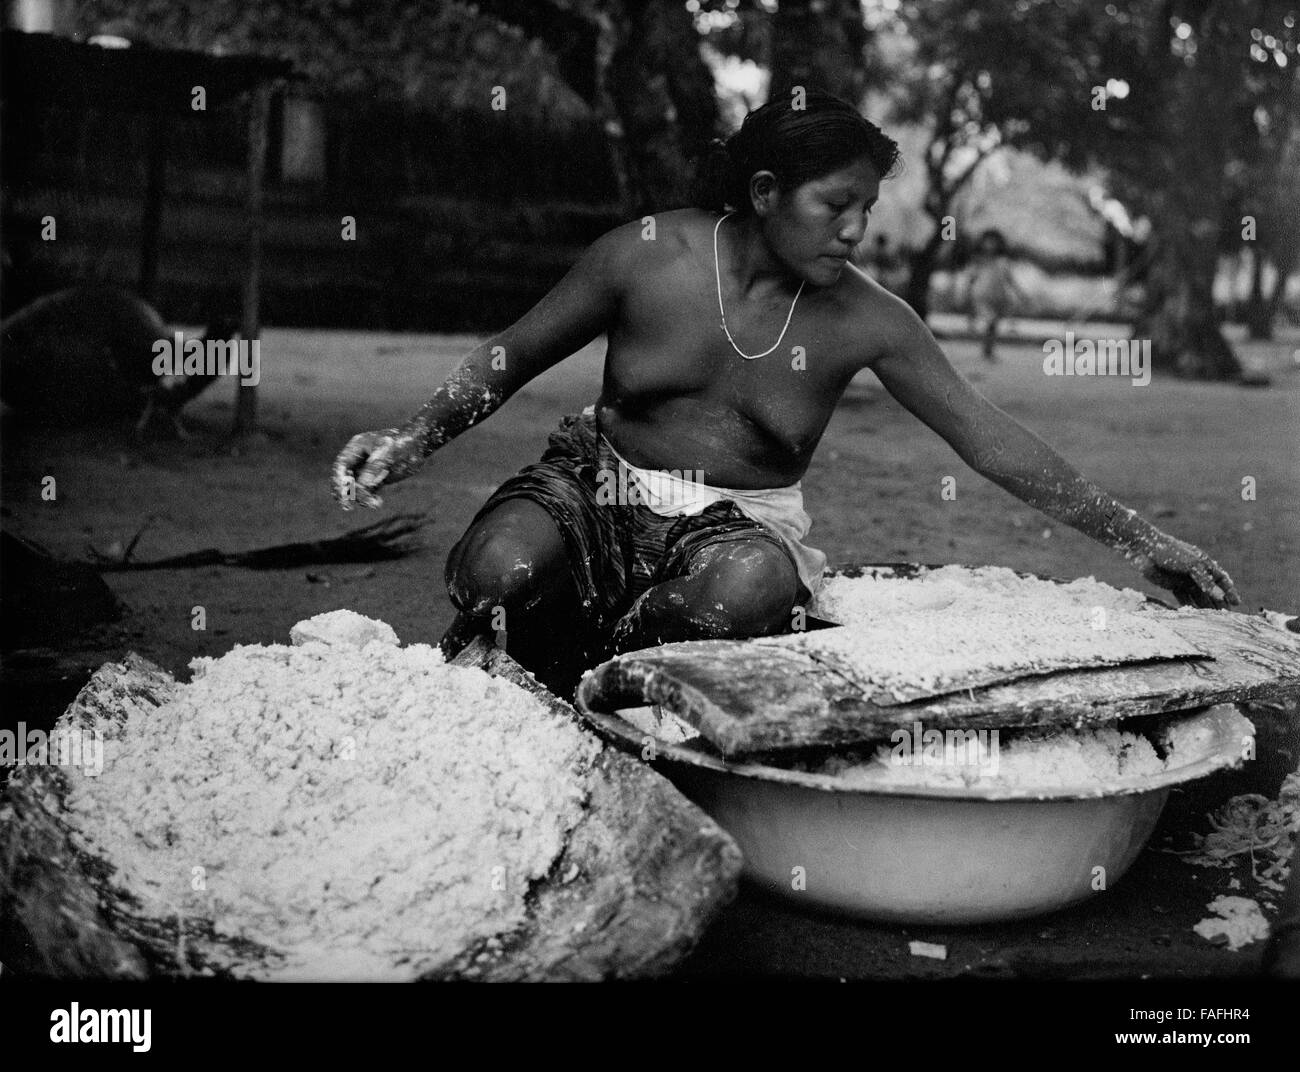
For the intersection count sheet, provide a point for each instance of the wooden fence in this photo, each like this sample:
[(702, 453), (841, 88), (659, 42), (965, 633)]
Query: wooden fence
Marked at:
[(460, 221)]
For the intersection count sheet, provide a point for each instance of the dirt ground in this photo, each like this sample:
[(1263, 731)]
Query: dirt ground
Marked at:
[(1177, 452)]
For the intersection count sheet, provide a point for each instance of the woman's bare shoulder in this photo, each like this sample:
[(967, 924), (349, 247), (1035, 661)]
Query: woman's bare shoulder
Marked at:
[(879, 322), (660, 234), (655, 249), (670, 233)]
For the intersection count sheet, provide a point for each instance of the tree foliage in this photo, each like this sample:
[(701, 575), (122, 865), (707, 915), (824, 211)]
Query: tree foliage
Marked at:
[(447, 55), (979, 76), (1196, 145), (1188, 105)]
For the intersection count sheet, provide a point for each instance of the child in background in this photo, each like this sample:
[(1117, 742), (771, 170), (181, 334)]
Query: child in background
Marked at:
[(991, 288)]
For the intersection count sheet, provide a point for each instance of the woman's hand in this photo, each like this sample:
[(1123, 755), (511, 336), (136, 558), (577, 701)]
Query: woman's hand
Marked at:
[(372, 459), (1187, 571)]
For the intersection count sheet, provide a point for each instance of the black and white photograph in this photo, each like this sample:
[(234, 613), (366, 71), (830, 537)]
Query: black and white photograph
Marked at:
[(700, 492)]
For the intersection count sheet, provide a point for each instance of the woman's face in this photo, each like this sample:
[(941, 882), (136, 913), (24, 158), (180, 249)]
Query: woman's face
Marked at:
[(814, 228)]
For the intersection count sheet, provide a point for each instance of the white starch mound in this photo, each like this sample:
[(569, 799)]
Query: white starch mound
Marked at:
[(361, 809)]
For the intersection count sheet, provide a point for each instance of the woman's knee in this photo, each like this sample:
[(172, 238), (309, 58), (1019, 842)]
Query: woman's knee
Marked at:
[(745, 589), (505, 560)]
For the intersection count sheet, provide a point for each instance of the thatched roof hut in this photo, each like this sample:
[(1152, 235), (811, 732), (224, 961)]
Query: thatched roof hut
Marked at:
[(443, 57)]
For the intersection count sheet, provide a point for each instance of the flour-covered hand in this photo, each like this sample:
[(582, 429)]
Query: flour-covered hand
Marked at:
[(1187, 571), (373, 459)]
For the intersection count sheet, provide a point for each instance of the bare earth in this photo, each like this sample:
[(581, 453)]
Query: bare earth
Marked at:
[(1177, 452)]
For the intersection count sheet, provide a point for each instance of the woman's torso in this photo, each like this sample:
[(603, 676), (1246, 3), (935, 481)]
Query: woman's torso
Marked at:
[(676, 395)]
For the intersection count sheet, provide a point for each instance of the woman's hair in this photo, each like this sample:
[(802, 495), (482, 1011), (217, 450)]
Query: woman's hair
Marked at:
[(796, 144)]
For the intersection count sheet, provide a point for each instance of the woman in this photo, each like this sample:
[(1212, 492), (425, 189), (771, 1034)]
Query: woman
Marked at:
[(731, 339)]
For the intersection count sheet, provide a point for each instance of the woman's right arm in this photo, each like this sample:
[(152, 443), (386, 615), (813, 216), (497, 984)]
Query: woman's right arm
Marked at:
[(576, 310)]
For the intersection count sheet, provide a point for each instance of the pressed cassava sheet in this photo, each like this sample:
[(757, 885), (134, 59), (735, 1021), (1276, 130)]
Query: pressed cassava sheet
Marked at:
[(952, 646), (931, 652)]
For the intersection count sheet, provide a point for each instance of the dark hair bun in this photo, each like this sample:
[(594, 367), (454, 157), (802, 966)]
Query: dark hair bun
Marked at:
[(796, 144)]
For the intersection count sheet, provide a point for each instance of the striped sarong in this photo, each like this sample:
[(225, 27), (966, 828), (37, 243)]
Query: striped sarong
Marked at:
[(616, 550)]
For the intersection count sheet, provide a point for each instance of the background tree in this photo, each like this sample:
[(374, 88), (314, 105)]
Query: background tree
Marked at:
[(1269, 176), (1206, 120), (638, 64), (980, 76), (664, 97), (820, 45), (444, 55), (1195, 122), (1275, 202), (635, 63)]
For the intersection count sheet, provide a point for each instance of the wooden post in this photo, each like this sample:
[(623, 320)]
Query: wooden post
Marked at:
[(151, 219), (259, 112)]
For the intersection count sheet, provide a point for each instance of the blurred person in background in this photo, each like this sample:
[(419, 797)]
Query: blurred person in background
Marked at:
[(991, 289)]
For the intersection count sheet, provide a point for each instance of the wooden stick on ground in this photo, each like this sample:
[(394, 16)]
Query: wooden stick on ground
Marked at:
[(391, 538)]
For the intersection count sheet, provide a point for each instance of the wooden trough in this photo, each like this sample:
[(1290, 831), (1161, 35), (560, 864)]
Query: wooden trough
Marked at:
[(646, 871)]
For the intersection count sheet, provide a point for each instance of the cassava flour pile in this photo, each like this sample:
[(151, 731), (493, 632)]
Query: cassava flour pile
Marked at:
[(361, 809), (858, 600), (955, 628)]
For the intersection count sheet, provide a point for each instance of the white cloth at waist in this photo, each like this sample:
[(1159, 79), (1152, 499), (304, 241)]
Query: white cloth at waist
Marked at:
[(779, 510)]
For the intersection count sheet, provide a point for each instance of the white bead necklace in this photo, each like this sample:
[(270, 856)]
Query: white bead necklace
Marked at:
[(717, 275)]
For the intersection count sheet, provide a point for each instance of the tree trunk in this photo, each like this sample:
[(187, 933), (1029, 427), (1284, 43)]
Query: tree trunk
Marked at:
[(259, 111), (1259, 311), (1284, 264), (820, 45), (606, 49), (920, 270), (638, 63), (1186, 198), (939, 194), (666, 102), (1178, 315)]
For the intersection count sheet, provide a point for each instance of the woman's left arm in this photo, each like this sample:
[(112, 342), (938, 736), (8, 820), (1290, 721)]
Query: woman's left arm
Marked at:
[(915, 371)]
